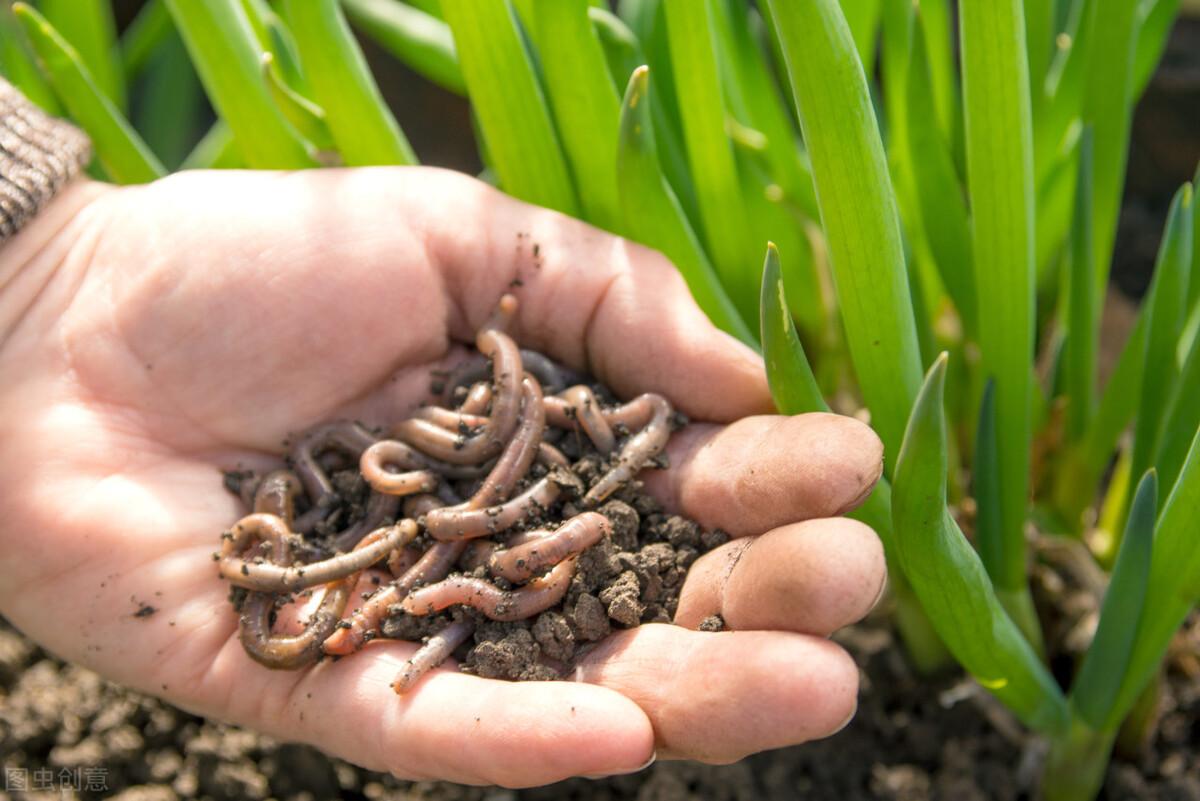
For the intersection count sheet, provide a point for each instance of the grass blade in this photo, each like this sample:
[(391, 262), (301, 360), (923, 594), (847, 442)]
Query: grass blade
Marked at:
[(789, 374), (1165, 313), (275, 38), (1107, 103), (1039, 38), (989, 528), (863, 18), (1174, 585), (858, 212), (169, 108), (949, 578), (999, 141), (420, 40), (1095, 688), (359, 121), (1181, 419), (622, 50), (584, 101), (1193, 293), (225, 53), (18, 67), (124, 155), (1083, 331), (709, 152), (307, 117), (941, 206), (1153, 31), (149, 29), (217, 149), (512, 112), (88, 25), (653, 215)]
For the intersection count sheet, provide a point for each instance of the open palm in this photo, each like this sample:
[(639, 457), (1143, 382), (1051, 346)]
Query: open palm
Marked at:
[(154, 336)]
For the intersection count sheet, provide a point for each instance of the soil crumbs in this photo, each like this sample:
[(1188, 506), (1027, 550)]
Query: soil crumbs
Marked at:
[(911, 740)]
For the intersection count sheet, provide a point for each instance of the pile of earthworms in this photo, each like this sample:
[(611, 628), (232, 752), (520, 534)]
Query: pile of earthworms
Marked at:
[(491, 441)]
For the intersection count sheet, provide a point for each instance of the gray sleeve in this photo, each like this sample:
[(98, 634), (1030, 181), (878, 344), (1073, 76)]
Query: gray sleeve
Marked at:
[(38, 155)]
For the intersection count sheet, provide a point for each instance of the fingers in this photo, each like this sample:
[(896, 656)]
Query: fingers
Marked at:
[(452, 726), (763, 472), (718, 697), (813, 577), (593, 300)]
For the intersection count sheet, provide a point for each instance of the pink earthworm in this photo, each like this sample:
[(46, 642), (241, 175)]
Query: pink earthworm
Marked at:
[(478, 397), (462, 423), (350, 438), (267, 577), (380, 509), (552, 456), (552, 376), (579, 406), (276, 495), (507, 373), (518, 562), (638, 449), (479, 552), (537, 596), (456, 523), (432, 566), (436, 650), (284, 651), (376, 463)]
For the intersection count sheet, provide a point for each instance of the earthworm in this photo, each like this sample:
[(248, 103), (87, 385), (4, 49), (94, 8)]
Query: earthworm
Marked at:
[(376, 461), (266, 577), (458, 523), (283, 651), (478, 397), (552, 376), (432, 566), (518, 454), (579, 406), (344, 435), (550, 455), (380, 508), (507, 373), (462, 423), (537, 596), (639, 449), (436, 650), (479, 552), (520, 561), (276, 495)]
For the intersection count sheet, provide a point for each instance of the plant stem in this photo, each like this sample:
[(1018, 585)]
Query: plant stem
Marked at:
[(1076, 764)]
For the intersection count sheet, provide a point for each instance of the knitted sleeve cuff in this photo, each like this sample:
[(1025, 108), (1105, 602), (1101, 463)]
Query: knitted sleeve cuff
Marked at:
[(38, 155)]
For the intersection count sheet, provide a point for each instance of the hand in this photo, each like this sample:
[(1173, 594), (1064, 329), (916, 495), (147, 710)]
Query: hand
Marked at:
[(153, 336)]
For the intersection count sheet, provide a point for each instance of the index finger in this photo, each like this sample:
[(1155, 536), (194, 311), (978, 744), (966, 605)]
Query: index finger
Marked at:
[(598, 302)]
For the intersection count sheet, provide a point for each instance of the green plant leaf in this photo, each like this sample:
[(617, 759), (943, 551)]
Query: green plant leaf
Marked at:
[(989, 529), (863, 17), (17, 65), (275, 38), (941, 206), (949, 578), (1000, 168), (1193, 294), (1095, 688), (170, 107), (307, 117), (507, 97), (1082, 320), (789, 374), (584, 100), (1039, 37), (857, 209), (622, 50), (1181, 418), (1107, 103), (359, 120), (124, 155), (226, 53), (653, 215), (1174, 585), (420, 40), (89, 27), (709, 151), (149, 29), (217, 149), (1165, 312), (1154, 28)]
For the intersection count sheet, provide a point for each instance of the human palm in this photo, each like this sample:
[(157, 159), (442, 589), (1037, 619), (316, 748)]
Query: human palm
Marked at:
[(154, 336)]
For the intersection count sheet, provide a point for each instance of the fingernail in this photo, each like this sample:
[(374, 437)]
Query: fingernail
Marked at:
[(639, 769), (845, 722), (883, 585)]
